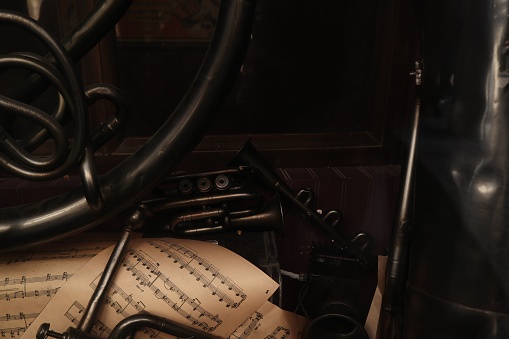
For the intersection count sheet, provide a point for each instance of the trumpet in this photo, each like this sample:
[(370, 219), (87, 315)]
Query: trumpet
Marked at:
[(238, 210), (209, 202)]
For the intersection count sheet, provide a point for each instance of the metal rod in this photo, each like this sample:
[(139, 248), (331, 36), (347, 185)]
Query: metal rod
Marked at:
[(97, 299), (136, 219), (397, 260)]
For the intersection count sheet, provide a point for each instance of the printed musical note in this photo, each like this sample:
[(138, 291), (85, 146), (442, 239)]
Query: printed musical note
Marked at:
[(74, 314), (21, 258), (15, 324), (80, 247), (151, 333), (71, 313), (247, 327), (23, 280), (152, 280), (18, 316), (271, 322), (205, 273), (168, 285), (13, 332), (30, 279), (120, 296)]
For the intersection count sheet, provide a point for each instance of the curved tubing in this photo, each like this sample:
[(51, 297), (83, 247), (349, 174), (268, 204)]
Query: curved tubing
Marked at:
[(141, 320), (125, 184), (76, 106), (101, 19)]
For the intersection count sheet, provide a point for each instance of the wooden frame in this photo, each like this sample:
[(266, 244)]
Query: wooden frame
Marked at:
[(379, 140)]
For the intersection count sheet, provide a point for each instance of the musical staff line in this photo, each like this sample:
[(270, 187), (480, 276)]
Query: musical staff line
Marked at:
[(24, 280), (247, 327), (205, 273), (185, 306), (99, 328), (29, 294), (128, 298), (52, 255), (29, 279), (279, 333), (150, 281), (13, 332), (73, 313), (19, 316)]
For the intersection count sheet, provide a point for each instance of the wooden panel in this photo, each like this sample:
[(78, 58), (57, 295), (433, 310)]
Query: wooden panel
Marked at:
[(324, 83)]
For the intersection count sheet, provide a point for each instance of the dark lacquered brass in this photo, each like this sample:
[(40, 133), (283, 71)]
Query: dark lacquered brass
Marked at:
[(458, 284), (359, 246), (215, 201), (125, 184)]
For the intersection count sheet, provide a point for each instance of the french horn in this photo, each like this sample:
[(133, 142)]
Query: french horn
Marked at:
[(124, 185), (102, 197)]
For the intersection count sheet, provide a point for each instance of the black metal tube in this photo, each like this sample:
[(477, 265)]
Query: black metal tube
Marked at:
[(390, 321), (68, 214), (76, 104), (359, 245), (159, 205), (96, 24), (97, 299), (101, 19), (43, 68), (135, 322), (112, 125)]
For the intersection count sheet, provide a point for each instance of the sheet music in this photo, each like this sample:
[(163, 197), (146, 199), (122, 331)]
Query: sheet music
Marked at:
[(196, 283), (270, 322), (30, 278)]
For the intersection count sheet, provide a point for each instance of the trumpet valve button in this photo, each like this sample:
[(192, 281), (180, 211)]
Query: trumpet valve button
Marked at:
[(222, 182), (204, 184), (185, 186)]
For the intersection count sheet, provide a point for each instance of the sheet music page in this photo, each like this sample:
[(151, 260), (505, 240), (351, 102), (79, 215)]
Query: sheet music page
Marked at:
[(30, 278), (271, 322), (195, 283)]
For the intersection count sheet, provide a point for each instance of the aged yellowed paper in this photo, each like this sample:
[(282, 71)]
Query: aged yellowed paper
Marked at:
[(30, 278), (196, 283)]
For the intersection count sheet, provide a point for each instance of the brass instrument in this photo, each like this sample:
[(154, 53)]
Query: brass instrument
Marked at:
[(210, 210), (448, 263), (23, 226), (112, 193), (359, 246), (212, 202)]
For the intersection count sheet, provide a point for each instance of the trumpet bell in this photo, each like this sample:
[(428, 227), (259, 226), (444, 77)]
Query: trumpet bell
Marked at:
[(270, 217)]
